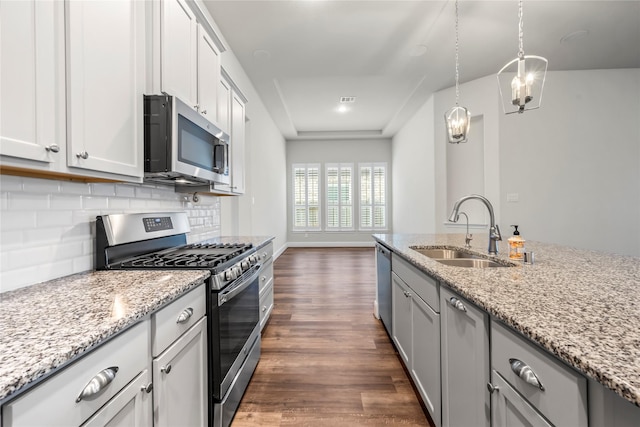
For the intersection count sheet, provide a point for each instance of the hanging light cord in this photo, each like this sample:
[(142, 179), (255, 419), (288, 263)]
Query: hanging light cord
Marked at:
[(457, 72), (520, 32)]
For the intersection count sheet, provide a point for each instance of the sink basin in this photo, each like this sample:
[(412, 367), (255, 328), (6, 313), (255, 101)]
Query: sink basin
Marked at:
[(458, 258), (468, 262), (444, 253)]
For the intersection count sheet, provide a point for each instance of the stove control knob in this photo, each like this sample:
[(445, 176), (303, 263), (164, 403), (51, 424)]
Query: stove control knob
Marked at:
[(230, 274), (245, 265), (238, 270)]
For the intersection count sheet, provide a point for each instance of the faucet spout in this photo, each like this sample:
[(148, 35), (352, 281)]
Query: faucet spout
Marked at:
[(494, 230)]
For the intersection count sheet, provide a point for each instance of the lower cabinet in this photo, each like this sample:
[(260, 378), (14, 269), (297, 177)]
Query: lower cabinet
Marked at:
[(94, 389), (180, 380), (416, 333), (509, 409), (265, 254), (465, 362)]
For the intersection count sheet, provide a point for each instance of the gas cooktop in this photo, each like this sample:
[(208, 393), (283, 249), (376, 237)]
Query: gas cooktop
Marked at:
[(197, 255)]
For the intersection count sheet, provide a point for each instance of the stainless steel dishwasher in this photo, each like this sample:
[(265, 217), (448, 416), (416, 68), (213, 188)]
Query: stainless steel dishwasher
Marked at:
[(383, 262)]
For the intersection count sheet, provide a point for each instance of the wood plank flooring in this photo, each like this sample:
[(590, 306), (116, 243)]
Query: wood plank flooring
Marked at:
[(326, 360)]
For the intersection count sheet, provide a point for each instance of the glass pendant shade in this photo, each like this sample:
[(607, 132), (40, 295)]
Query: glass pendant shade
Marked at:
[(458, 121), (521, 83)]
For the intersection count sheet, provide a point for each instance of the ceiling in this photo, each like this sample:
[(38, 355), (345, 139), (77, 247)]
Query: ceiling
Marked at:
[(303, 55)]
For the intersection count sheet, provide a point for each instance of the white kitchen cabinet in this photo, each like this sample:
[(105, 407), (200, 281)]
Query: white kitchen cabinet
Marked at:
[(129, 408), (178, 41), (265, 254), (57, 402), (554, 390), (180, 381), (223, 111), (416, 330), (190, 66), (105, 84), (32, 84), (465, 362)]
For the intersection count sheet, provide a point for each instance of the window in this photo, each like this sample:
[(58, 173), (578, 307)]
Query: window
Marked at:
[(306, 197), (373, 196), (339, 197)]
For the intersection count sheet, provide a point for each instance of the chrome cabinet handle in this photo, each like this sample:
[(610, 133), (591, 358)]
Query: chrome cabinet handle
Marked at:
[(525, 373), (196, 107), (98, 383), (264, 308), (492, 388), (204, 111), (185, 315), (54, 148), (82, 155), (147, 388), (457, 304), (406, 294), (166, 369), (263, 278)]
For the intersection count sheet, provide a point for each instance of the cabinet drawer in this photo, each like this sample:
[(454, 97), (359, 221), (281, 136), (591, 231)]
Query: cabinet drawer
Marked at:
[(266, 276), (266, 305), (265, 252), (564, 397), (53, 403), (176, 318), (423, 285)]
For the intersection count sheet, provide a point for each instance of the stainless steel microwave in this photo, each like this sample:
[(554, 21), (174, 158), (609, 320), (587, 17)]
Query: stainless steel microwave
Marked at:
[(181, 146)]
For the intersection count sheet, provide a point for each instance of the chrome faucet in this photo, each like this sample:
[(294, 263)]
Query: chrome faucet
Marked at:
[(494, 230)]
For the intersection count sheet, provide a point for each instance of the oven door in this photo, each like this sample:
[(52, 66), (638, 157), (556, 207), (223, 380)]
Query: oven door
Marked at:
[(234, 327)]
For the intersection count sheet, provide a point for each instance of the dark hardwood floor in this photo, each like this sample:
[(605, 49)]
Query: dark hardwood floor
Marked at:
[(326, 360)]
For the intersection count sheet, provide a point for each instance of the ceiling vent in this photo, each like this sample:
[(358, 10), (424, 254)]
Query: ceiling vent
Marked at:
[(347, 99)]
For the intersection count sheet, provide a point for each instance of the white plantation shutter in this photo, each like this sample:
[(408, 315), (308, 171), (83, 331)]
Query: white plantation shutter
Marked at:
[(306, 197), (339, 199), (373, 196)]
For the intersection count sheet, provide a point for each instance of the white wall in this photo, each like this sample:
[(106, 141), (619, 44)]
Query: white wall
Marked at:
[(575, 162), (574, 169), (47, 227), (335, 151), (413, 185)]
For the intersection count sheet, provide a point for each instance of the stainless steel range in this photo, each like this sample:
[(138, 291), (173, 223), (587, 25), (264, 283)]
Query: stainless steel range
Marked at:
[(159, 241)]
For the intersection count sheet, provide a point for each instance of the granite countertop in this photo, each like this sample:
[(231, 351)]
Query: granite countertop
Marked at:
[(44, 326), (580, 305)]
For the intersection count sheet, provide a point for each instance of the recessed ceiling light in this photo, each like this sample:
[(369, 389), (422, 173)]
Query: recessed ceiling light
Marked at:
[(342, 108), (573, 36), (418, 50)]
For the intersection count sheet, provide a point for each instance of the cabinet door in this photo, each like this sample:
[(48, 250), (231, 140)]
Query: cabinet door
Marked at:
[(237, 144), (129, 408), (32, 80), (224, 105), (178, 40), (105, 84), (509, 409), (401, 301), (208, 74), (425, 358), (180, 380), (465, 362)]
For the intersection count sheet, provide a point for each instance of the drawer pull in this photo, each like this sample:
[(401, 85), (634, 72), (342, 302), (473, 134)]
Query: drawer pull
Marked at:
[(185, 315), (54, 148), (264, 308), (98, 383), (82, 155), (263, 278), (407, 294), (457, 304), (492, 388), (525, 373), (166, 369), (147, 388)]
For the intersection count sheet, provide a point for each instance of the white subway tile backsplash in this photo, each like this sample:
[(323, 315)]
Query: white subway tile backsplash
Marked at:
[(48, 230), (102, 189)]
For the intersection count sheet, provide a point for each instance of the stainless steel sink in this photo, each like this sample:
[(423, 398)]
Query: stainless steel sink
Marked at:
[(458, 258), (444, 253), (474, 263)]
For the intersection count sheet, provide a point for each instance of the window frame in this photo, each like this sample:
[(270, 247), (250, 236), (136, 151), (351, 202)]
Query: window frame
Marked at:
[(373, 204), (341, 204), (306, 205)]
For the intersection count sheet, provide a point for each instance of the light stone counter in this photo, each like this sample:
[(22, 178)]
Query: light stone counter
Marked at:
[(582, 306), (45, 326)]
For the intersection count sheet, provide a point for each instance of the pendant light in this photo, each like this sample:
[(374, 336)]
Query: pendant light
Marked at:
[(524, 91), (457, 119)]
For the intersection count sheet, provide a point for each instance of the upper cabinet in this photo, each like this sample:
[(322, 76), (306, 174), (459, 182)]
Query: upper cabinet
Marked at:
[(71, 88), (105, 85), (32, 82), (190, 58)]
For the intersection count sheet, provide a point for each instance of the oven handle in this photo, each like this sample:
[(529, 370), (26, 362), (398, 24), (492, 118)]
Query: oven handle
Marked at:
[(236, 288)]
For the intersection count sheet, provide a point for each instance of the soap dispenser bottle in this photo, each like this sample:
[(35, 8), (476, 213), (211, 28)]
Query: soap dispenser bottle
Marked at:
[(516, 245)]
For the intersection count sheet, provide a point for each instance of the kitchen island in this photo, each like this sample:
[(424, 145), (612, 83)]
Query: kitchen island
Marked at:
[(579, 305)]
